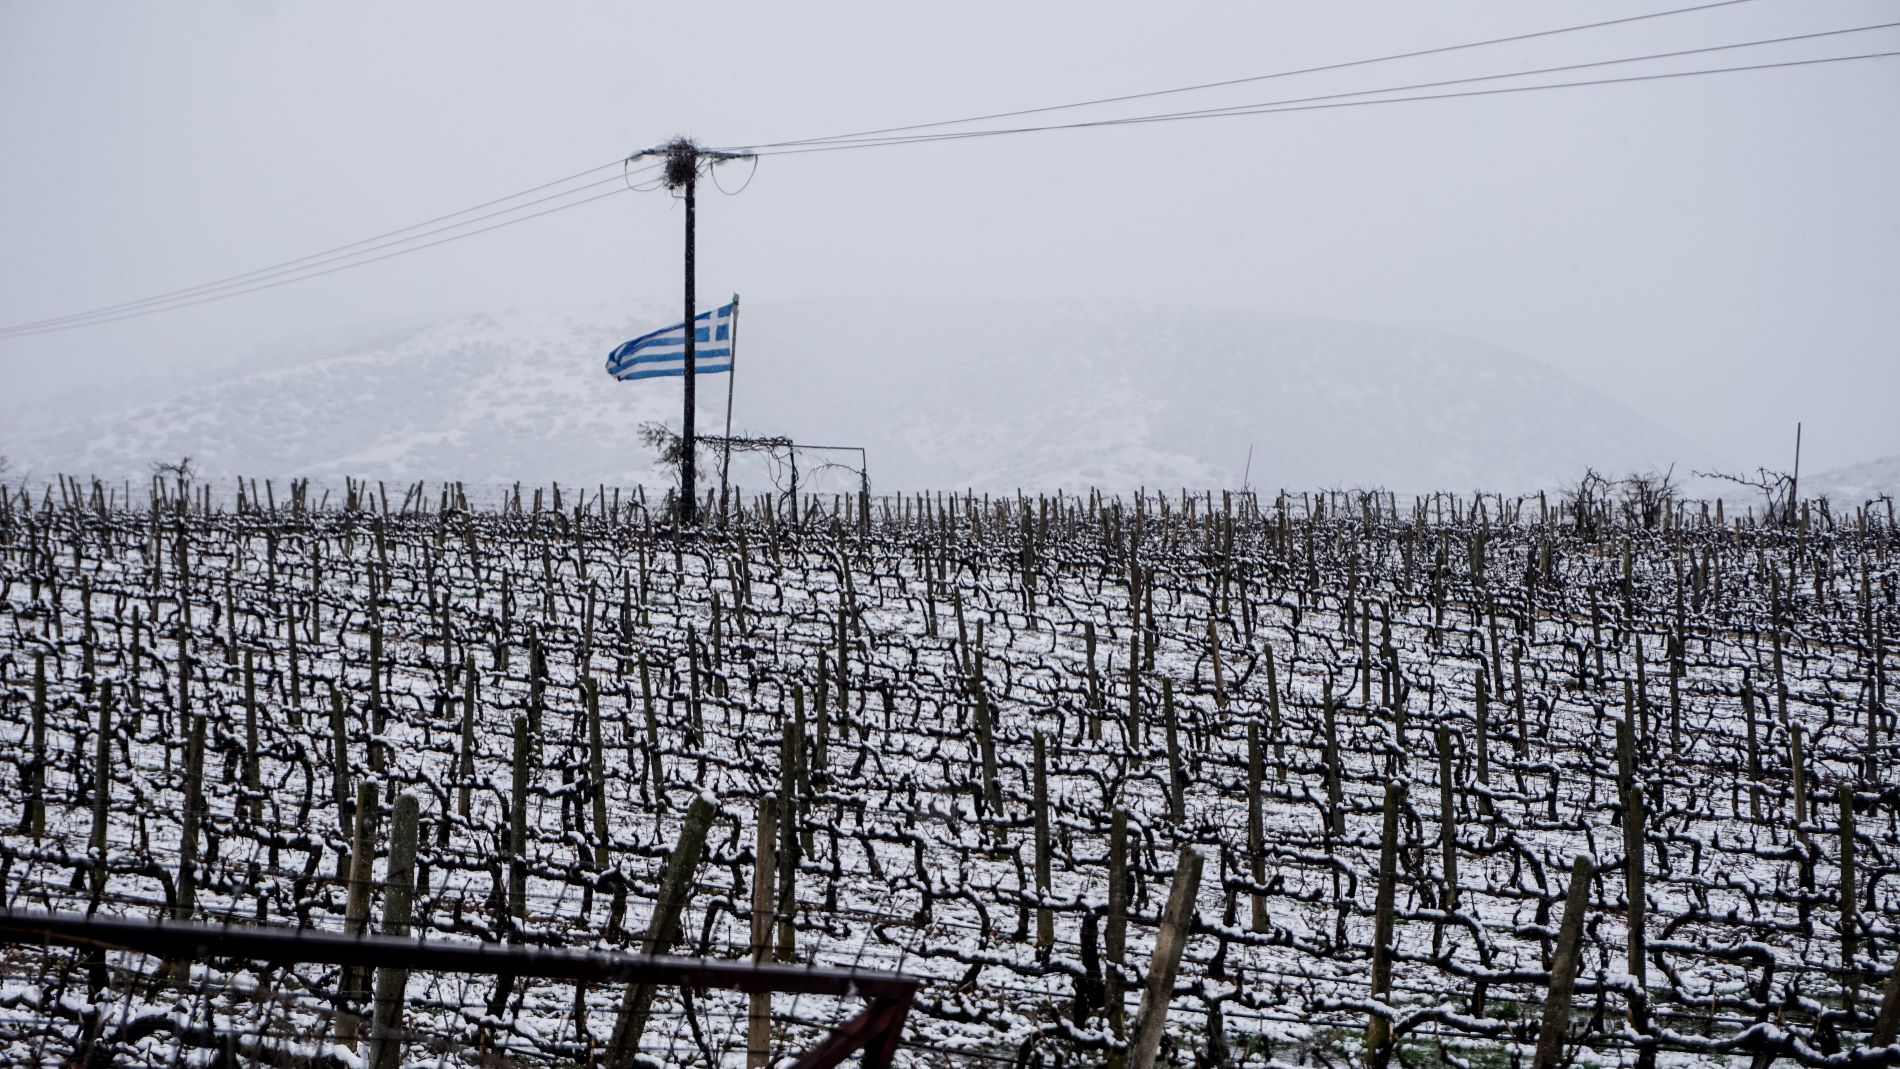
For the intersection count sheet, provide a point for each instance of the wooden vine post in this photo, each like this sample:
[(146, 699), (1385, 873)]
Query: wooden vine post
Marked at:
[(764, 862), (1117, 935), (1379, 1026), (1635, 832), (1177, 920), (1563, 966), (1256, 829), (392, 981), (676, 881), (1447, 825), (1045, 916)]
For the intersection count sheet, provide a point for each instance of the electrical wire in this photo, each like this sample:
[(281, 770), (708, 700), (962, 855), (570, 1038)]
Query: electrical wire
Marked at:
[(626, 177), (1343, 65), (1282, 107), (315, 274), (190, 290), (316, 260), (713, 173), (1247, 108), (354, 253)]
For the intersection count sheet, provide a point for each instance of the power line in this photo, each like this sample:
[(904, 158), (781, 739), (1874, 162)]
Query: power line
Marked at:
[(1250, 108), (354, 253), (300, 266), (1343, 65), (304, 263), (237, 282), (21, 332), (1282, 107), (1562, 68), (327, 252)]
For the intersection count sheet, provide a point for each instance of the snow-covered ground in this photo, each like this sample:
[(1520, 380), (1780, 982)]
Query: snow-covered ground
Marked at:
[(1348, 636)]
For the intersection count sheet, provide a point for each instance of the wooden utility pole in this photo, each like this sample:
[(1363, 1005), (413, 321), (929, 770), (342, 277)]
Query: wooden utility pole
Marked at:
[(682, 175), (682, 171), (683, 157)]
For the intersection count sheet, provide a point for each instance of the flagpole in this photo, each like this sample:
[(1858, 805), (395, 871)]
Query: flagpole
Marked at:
[(732, 371)]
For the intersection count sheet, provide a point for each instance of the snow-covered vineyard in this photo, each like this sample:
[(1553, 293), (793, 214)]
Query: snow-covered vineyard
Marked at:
[(998, 734)]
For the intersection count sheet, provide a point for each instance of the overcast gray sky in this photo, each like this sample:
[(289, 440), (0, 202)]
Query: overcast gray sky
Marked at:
[(1720, 252)]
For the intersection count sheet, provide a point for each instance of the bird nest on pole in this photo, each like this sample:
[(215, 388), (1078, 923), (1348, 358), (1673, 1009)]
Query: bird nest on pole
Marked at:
[(682, 162)]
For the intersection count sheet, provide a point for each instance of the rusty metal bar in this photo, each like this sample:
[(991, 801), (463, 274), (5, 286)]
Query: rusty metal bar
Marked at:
[(876, 1029), (173, 940)]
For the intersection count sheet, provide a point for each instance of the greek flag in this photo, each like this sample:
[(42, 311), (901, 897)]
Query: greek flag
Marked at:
[(663, 352)]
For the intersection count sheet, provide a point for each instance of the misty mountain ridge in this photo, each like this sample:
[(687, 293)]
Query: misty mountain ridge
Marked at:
[(943, 394), (1855, 483)]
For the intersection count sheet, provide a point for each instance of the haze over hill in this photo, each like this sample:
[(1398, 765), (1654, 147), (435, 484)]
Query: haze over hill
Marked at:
[(943, 394), (1856, 482)]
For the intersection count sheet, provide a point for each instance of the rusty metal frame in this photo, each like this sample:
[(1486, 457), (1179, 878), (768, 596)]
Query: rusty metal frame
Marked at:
[(876, 1030)]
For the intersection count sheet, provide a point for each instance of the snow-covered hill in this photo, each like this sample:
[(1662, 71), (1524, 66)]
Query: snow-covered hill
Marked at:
[(943, 394), (1856, 483)]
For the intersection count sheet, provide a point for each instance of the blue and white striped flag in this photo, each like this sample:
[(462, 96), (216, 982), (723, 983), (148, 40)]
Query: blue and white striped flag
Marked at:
[(663, 352)]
